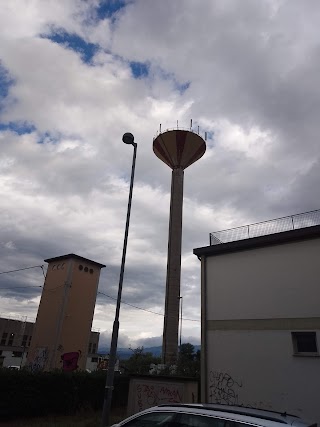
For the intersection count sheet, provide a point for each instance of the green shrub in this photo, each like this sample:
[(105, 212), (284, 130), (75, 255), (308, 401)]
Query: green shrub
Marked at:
[(25, 394)]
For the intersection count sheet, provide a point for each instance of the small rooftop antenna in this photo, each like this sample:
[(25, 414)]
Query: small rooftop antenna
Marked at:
[(198, 130), (191, 124), (160, 128), (205, 136), (177, 125)]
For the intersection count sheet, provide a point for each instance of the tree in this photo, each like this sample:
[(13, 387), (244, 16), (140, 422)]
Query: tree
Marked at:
[(139, 362), (188, 361), (186, 351)]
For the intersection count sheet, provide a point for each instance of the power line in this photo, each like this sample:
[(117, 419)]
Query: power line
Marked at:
[(131, 305), (143, 309), (21, 269), (102, 293), (20, 287), (39, 286), (191, 320), (53, 289), (41, 266)]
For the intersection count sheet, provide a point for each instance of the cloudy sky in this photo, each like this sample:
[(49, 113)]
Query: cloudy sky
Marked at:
[(75, 75)]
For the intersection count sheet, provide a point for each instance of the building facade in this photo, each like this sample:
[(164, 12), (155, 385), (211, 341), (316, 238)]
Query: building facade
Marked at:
[(261, 321), (15, 339), (61, 335)]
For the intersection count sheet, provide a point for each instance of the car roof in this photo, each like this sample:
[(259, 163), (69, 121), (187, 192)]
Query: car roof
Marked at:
[(242, 414)]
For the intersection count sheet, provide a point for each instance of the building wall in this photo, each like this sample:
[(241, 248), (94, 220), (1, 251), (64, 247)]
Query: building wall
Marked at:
[(15, 333), (145, 392), (99, 362), (9, 360), (15, 338), (93, 343), (252, 301), (15, 353), (259, 369), (79, 312), (50, 314), (282, 279), (62, 332), (12, 357)]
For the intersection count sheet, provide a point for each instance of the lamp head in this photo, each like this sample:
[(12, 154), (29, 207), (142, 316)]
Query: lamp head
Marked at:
[(128, 138)]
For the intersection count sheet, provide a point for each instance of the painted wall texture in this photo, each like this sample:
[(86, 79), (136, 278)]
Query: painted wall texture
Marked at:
[(257, 297), (62, 331)]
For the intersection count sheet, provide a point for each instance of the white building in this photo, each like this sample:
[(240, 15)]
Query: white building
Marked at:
[(261, 316)]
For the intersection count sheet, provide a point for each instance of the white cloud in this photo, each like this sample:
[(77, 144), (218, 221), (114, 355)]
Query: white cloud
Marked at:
[(246, 73), (34, 17)]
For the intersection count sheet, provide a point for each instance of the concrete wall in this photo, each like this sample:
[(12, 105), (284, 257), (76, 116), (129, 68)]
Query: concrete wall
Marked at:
[(252, 301), (258, 369), (145, 392), (45, 332), (275, 281), (80, 309), (62, 330)]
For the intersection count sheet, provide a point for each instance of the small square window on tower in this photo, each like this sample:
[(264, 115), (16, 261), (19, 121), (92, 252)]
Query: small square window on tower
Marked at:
[(305, 343)]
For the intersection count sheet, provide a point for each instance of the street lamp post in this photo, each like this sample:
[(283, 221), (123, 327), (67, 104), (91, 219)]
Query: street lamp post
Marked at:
[(181, 299), (127, 138)]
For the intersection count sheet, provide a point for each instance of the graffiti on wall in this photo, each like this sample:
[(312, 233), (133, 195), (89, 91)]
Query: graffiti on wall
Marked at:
[(223, 388), (70, 361), (103, 365), (39, 359), (148, 394)]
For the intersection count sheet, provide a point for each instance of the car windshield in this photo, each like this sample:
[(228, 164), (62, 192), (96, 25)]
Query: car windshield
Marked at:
[(152, 419)]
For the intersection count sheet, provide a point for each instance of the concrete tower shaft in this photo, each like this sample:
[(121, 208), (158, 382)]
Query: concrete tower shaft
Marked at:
[(172, 302), (178, 149)]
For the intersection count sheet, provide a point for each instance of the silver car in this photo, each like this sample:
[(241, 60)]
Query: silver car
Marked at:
[(205, 415)]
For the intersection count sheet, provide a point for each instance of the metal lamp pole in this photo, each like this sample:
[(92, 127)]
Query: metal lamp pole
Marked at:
[(127, 138), (181, 299)]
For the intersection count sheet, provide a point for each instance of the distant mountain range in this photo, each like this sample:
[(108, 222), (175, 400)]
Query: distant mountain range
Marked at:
[(126, 353)]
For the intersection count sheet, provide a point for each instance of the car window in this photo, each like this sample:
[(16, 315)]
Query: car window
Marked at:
[(194, 420), (152, 419)]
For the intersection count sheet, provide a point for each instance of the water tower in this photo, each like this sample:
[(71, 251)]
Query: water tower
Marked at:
[(178, 149)]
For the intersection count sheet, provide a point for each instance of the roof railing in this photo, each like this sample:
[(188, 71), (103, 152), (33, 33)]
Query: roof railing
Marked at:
[(273, 226)]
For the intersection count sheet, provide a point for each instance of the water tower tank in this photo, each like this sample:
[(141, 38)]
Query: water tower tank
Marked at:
[(178, 149)]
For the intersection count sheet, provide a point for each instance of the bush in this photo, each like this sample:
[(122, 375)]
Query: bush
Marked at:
[(25, 394)]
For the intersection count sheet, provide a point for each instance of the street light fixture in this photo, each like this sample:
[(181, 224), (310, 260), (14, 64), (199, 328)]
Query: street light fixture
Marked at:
[(127, 138)]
